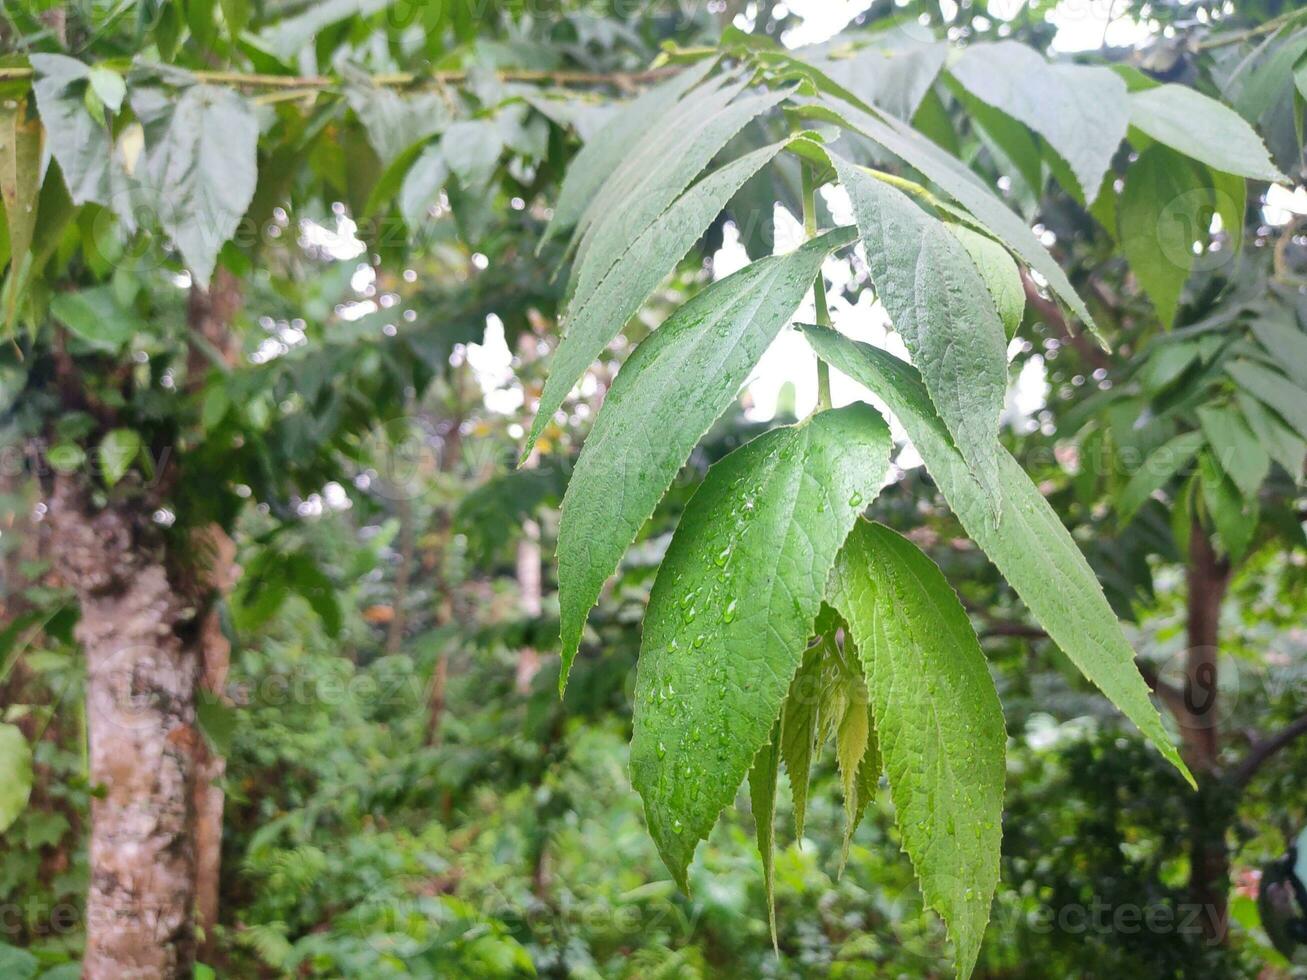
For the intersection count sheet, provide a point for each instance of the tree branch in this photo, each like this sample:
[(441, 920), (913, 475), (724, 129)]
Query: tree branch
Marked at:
[(236, 79), (1167, 693), (1263, 751), (1051, 314)]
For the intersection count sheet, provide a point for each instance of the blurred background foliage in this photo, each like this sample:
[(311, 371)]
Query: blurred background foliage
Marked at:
[(406, 794)]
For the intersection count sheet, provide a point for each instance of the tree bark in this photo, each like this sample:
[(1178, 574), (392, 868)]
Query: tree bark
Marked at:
[(220, 571), (1208, 576), (143, 659), (209, 315)]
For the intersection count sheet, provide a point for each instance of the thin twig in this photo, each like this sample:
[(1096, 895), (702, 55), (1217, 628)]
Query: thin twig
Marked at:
[(1269, 27)]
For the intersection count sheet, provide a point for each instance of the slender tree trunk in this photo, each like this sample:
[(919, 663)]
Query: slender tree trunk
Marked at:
[(219, 562), (1208, 576), (209, 316), (143, 660)]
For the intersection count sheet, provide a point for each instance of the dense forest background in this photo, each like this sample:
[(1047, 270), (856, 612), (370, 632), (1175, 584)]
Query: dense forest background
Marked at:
[(321, 441)]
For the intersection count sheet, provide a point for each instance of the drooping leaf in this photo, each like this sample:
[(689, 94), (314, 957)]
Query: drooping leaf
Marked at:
[(668, 394), (1161, 217), (286, 36), (1234, 447), (203, 167), (1186, 120), (118, 449), (601, 155), (629, 205), (999, 271), (108, 87), (1156, 471), (938, 722), (629, 283), (938, 303), (471, 149), (77, 140), (1282, 443), (892, 73), (1268, 385), (799, 728), (395, 122), (15, 775), (732, 609), (965, 187), (1235, 517), (1260, 80), (95, 316), (20, 179), (762, 799), (1285, 342), (422, 184), (854, 739), (1030, 546), (1082, 110)]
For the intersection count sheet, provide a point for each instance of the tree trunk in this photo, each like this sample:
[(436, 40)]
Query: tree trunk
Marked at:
[(220, 571), (1208, 576), (209, 316), (138, 632)]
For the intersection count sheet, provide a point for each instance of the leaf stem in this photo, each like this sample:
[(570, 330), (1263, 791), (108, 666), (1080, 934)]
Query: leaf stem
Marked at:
[(819, 285)]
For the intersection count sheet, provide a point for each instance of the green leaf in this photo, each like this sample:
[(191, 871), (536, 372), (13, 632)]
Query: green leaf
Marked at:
[(968, 189), (601, 156), (217, 720), (422, 184), (652, 178), (1260, 80), (1283, 445), (762, 799), (1202, 128), (203, 166), (938, 722), (95, 316), (999, 271), (1157, 470), (1161, 217), (471, 149), (732, 609), (17, 964), (77, 140), (1285, 342), (20, 179), (892, 73), (15, 775), (938, 303), (628, 284), (1083, 111), (799, 727), (667, 395), (1271, 387), (854, 741), (108, 85), (1230, 199), (396, 122), (117, 450), (66, 457), (1234, 447), (1235, 518), (1030, 546)]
